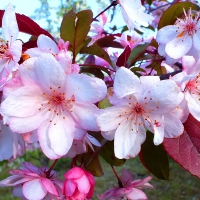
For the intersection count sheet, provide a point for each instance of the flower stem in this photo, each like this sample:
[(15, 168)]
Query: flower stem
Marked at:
[(51, 168), (114, 3), (119, 180)]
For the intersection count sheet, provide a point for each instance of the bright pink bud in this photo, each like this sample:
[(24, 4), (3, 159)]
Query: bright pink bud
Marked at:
[(79, 184)]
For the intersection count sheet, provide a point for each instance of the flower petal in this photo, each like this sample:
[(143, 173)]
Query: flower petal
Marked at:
[(34, 189), (50, 187)]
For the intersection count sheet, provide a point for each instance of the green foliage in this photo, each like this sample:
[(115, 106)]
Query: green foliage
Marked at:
[(154, 158), (75, 27), (107, 153)]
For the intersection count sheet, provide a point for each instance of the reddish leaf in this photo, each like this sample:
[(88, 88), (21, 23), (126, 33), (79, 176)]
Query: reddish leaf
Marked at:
[(27, 25), (122, 59), (108, 41), (185, 149)]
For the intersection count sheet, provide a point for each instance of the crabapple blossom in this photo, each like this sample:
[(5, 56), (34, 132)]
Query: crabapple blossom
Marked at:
[(189, 82), (60, 51), (10, 48), (133, 13), (129, 189), (180, 39), (79, 184), (53, 103), (31, 183), (140, 104)]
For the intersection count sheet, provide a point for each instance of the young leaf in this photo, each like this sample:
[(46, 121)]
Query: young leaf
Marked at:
[(154, 158), (122, 59), (185, 150)]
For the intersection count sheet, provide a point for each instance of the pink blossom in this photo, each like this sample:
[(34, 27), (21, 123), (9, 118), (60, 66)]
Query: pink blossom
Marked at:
[(10, 48), (140, 104), (79, 184), (130, 189), (53, 103), (60, 51), (180, 39), (32, 183), (133, 13)]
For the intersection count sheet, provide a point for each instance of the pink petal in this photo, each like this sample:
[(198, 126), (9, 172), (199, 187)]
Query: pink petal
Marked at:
[(69, 188), (14, 180), (34, 189), (50, 187), (74, 173), (136, 194), (83, 184), (127, 177)]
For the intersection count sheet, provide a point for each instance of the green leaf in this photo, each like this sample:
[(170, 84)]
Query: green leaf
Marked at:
[(92, 70), (154, 158), (84, 19), (97, 51), (67, 29), (105, 103), (75, 27), (136, 53), (175, 11), (107, 152)]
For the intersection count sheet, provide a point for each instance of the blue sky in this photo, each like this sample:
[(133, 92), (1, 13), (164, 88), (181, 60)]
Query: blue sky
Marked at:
[(27, 7)]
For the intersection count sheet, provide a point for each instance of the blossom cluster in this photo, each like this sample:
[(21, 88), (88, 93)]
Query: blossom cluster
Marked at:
[(53, 103)]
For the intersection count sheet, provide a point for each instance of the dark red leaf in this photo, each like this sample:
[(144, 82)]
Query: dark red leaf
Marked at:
[(185, 149), (122, 59), (27, 25)]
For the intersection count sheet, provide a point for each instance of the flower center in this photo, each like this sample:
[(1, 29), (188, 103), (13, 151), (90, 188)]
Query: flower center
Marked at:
[(138, 109), (4, 53)]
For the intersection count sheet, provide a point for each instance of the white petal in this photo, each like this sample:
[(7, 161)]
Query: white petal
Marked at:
[(178, 47), (44, 42), (61, 135), (128, 140), (126, 82), (23, 102), (16, 50), (85, 88), (9, 25), (84, 114), (173, 126), (166, 34), (49, 73), (196, 40), (110, 118), (34, 189)]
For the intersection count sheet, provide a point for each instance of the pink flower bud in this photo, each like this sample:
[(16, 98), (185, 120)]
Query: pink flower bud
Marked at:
[(79, 184)]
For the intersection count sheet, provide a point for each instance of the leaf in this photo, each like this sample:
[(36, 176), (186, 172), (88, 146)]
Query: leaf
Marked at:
[(75, 27), (105, 103), (107, 153), (94, 166), (185, 149), (175, 11), (92, 70), (27, 25), (97, 51), (154, 158), (67, 29), (136, 53), (122, 59), (108, 41)]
